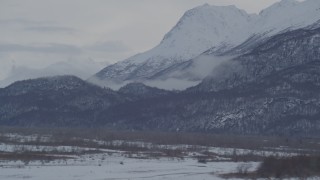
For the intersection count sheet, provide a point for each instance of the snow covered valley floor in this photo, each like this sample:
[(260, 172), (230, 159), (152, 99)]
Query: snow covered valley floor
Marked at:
[(116, 167), (68, 155)]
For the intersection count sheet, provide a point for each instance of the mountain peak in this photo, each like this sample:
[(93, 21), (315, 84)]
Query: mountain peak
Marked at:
[(204, 27), (211, 27), (207, 15), (283, 4), (288, 14), (198, 30), (205, 5), (54, 83)]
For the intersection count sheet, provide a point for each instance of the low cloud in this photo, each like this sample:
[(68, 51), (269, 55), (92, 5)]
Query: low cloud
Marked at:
[(168, 84), (109, 46), (36, 26), (196, 69), (50, 29), (40, 48), (105, 83), (183, 77), (81, 68), (22, 22), (63, 48), (172, 84)]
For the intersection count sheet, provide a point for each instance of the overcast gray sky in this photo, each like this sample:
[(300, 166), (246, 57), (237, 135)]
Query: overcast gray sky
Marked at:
[(37, 33)]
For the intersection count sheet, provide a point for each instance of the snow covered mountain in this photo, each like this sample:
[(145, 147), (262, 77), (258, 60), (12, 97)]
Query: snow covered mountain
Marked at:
[(198, 30), (273, 90), (268, 84), (214, 28)]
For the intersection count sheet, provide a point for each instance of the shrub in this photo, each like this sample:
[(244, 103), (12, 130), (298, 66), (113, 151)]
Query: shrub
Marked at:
[(202, 160), (244, 168), (297, 166)]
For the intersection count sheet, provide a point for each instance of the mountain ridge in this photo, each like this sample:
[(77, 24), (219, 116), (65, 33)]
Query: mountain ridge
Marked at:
[(215, 29), (268, 88)]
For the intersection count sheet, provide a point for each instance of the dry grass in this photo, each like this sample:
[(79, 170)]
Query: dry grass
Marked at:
[(150, 141), (62, 136), (31, 156)]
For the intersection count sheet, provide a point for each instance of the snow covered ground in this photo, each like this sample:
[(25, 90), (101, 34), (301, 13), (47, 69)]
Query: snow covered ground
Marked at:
[(40, 157), (102, 166), (75, 163)]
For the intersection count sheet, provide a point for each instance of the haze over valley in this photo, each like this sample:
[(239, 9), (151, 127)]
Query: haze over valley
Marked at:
[(172, 89)]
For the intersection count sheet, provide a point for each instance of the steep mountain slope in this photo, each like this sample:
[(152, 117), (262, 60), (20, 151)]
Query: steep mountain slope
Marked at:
[(215, 30), (198, 30), (275, 92), (277, 53)]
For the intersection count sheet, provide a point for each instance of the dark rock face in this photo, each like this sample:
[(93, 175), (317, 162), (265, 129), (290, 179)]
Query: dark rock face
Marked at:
[(272, 89), (141, 91)]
